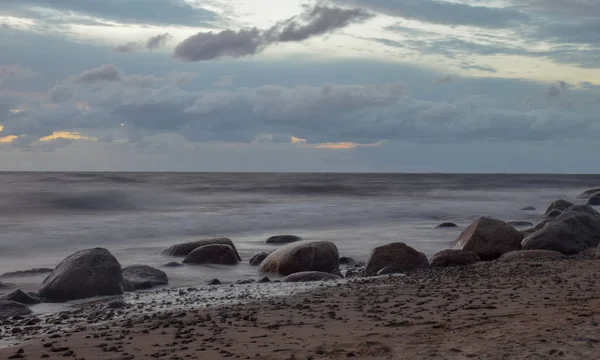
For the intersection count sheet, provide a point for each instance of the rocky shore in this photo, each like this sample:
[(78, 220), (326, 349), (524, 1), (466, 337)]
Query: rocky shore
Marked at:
[(498, 292)]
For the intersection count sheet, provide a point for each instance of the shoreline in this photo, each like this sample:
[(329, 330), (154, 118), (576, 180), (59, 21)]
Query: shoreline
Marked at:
[(489, 310)]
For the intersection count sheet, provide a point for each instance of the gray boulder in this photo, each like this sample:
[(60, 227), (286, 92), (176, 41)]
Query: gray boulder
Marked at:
[(212, 254), (552, 214), (570, 233), (489, 238), (307, 276), (453, 257), (560, 205), (582, 209), (594, 200), (144, 277), (184, 249), (258, 258), (397, 256), (12, 308), (21, 297), (530, 255), (283, 239), (302, 256), (84, 274)]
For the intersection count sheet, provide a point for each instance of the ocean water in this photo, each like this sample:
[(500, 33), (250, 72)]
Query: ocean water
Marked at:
[(44, 217)]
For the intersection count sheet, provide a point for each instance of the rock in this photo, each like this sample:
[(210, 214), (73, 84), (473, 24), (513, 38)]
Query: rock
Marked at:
[(586, 194), (302, 256), (173, 264), (528, 208), (12, 308), (489, 238), (307, 276), (530, 255), (144, 277), (581, 208), (528, 232), (213, 282), (452, 257), (560, 204), (570, 233), (245, 281), (30, 272), (264, 279), (84, 274), (185, 249), (347, 261), (396, 255), (552, 214), (258, 258), (20, 297), (447, 225), (520, 223), (212, 254), (594, 200), (389, 271), (116, 304), (283, 239)]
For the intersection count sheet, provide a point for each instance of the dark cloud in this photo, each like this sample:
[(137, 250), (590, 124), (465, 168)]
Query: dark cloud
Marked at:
[(152, 43), (108, 73), (445, 12), (158, 12), (315, 21)]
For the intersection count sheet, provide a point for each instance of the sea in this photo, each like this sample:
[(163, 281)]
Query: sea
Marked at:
[(45, 217)]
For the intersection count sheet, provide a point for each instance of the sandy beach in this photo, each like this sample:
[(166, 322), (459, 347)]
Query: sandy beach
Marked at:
[(489, 310)]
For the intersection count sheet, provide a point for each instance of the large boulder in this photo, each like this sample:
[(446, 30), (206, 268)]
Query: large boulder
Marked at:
[(21, 297), (12, 308), (581, 208), (586, 194), (489, 238), (258, 258), (307, 276), (144, 277), (84, 274), (560, 205), (302, 256), (594, 200), (397, 256), (212, 254), (453, 257), (570, 233), (283, 239), (184, 249), (530, 255)]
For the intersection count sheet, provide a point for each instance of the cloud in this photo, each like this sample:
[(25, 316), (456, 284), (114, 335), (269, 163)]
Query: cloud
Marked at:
[(14, 72), (154, 12), (553, 90), (445, 79), (446, 12), (151, 44), (315, 21)]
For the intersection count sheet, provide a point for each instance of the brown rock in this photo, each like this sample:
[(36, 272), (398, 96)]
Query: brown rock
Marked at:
[(302, 256), (453, 257), (396, 255), (489, 238), (530, 255), (184, 249), (212, 254)]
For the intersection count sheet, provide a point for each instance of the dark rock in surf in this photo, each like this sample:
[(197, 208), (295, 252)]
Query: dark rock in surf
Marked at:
[(245, 281), (12, 308), (446, 225), (258, 258), (283, 239), (185, 249), (264, 279), (586, 194), (570, 233), (397, 256), (84, 274), (489, 238), (528, 208), (344, 260), (173, 264), (594, 200), (560, 204), (212, 254), (21, 297), (520, 223), (307, 276), (30, 272), (213, 282), (452, 257), (144, 277), (530, 255), (302, 256)]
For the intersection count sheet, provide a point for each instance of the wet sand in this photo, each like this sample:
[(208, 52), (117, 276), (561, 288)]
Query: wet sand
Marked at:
[(528, 310)]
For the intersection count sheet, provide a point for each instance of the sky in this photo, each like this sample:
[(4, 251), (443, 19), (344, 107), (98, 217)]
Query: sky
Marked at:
[(483, 86)]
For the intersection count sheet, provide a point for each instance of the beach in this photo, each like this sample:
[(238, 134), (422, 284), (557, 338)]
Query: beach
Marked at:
[(488, 310)]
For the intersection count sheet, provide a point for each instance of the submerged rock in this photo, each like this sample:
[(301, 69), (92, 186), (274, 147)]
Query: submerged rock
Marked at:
[(560, 204), (185, 249), (213, 282), (447, 225), (144, 277), (84, 274), (397, 256), (586, 194), (258, 258), (21, 297), (173, 264), (12, 308), (302, 256), (283, 239), (344, 260), (307, 276), (212, 254), (594, 200), (30, 272), (530, 255), (452, 257), (489, 238), (528, 208)]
